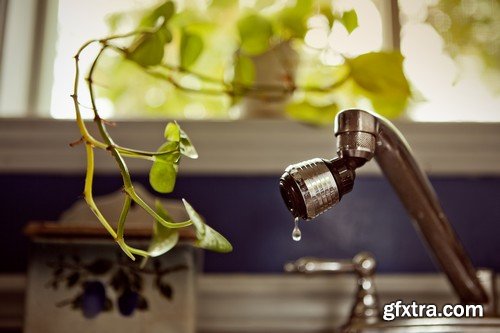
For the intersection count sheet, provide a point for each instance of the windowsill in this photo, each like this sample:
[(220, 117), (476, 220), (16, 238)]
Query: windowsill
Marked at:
[(245, 147)]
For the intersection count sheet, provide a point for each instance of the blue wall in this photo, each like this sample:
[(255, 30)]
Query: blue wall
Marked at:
[(250, 212)]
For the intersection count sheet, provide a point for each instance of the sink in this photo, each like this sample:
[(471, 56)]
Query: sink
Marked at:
[(366, 316)]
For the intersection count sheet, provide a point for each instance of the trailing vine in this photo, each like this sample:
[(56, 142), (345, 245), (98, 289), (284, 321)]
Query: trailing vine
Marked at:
[(167, 158)]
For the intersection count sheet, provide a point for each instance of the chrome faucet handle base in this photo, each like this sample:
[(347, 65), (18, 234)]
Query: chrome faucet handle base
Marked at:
[(365, 308), (486, 278)]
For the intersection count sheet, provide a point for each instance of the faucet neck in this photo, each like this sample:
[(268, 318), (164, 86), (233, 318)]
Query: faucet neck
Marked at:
[(361, 134)]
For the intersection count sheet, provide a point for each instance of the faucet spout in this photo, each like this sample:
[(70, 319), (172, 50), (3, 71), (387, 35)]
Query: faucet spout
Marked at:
[(361, 136)]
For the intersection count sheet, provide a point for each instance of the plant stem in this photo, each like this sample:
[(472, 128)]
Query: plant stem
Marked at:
[(139, 252), (151, 212), (87, 192), (116, 151), (123, 216), (127, 181)]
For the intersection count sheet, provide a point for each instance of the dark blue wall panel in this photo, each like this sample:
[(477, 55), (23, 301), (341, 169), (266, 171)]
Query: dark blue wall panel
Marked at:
[(249, 211)]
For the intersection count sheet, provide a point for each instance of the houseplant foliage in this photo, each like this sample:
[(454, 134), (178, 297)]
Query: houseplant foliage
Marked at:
[(165, 161), (205, 55), (471, 29)]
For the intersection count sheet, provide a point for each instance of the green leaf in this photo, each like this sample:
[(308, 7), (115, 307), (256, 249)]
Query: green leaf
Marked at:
[(221, 4), (166, 10), (207, 238), (187, 148), (350, 20), (162, 176), (255, 32), (190, 50), (214, 241), (325, 8), (173, 132), (291, 22), (163, 172), (315, 115), (244, 75), (389, 108), (164, 34), (113, 20), (380, 77), (197, 220), (148, 49), (244, 70), (164, 239), (380, 74)]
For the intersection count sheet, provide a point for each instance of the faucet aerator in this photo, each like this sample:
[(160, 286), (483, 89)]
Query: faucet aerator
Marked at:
[(312, 187)]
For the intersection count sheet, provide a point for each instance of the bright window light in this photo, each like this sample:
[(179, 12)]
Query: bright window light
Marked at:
[(451, 89), (79, 21), (457, 88)]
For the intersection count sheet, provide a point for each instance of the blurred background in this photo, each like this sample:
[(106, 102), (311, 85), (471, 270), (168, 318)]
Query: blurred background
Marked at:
[(431, 66), (451, 52)]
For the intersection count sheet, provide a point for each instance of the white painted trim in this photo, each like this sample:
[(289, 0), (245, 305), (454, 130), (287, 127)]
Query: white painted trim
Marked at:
[(269, 303), (17, 57), (246, 147), (46, 69), (384, 8)]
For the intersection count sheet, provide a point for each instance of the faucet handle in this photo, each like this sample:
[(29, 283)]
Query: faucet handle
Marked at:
[(311, 265), (365, 308), (363, 264)]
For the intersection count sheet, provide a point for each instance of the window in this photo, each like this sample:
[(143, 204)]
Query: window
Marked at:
[(158, 100), (454, 71), (460, 88), (79, 21)]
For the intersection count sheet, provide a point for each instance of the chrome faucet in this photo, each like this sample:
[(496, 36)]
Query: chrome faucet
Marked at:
[(365, 309), (311, 187)]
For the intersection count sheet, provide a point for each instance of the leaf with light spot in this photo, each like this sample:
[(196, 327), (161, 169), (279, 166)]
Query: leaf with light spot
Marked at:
[(207, 238)]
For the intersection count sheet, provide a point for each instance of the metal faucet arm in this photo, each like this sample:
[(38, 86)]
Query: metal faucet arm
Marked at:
[(394, 157)]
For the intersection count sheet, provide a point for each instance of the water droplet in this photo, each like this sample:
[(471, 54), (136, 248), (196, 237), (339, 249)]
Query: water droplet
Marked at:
[(296, 234)]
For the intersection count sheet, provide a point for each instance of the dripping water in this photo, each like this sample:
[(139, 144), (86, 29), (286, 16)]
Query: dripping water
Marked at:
[(296, 234)]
